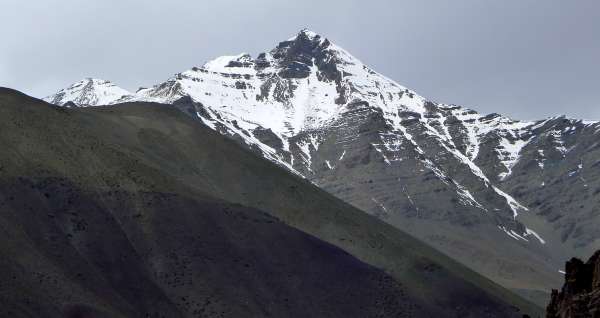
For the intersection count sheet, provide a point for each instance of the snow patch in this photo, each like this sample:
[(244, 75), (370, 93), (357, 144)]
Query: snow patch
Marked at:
[(329, 165), (529, 231), (510, 154), (514, 205)]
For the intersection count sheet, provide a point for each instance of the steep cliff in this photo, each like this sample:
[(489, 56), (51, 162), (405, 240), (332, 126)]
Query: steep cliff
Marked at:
[(580, 296)]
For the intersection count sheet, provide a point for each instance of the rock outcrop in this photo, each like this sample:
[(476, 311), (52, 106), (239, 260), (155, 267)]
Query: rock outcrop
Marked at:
[(580, 296)]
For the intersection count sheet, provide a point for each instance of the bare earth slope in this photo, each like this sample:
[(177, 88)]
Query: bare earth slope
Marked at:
[(139, 210)]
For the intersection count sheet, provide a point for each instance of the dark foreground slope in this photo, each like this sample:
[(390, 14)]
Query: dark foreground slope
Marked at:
[(175, 257), (138, 210)]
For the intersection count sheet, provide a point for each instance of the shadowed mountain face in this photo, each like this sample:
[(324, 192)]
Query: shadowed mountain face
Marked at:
[(511, 199), (138, 210), (121, 253)]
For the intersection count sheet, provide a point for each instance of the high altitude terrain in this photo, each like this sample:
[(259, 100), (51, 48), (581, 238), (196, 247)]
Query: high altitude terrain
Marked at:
[(138, 210), (510, 199)]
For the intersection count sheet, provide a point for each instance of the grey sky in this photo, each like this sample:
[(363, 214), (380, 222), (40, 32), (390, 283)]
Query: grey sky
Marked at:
[(527, 59)]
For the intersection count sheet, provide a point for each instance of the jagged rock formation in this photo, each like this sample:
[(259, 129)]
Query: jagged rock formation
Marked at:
[(488, 190), (580, 295)]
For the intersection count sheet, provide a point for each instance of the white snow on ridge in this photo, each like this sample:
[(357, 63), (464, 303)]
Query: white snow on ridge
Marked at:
[(222, 64), (509, 132), (310, 105), (502, 122), (268, 152), (89, 92), (243, 97), (469, 120), (310, 34), (510, 153)]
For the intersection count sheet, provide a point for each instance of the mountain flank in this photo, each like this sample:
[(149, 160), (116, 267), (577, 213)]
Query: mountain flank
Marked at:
[(139, 210)]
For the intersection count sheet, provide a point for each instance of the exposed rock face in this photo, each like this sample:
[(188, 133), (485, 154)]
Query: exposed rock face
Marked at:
[(580, 296)]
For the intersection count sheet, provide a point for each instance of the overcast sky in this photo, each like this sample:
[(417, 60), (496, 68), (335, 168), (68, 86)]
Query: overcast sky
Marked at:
[(523, 58)]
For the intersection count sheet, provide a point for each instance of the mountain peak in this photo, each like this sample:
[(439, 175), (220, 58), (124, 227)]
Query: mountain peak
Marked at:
[(306, 33), (95, 80), (305, 38), (292, 58), (89, 81), (89, 92)]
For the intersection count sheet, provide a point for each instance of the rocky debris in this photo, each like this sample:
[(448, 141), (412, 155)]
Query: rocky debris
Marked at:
[(580, 295)]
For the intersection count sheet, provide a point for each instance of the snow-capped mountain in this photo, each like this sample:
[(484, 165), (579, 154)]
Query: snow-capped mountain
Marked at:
[(494, 189), (89, 92)]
